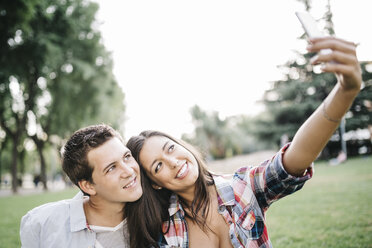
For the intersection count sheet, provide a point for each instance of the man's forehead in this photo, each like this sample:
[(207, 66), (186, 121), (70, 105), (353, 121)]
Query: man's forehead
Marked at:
[(108, 152)]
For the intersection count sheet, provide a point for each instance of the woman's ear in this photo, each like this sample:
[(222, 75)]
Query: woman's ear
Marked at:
[(87, 187), (157, 187)]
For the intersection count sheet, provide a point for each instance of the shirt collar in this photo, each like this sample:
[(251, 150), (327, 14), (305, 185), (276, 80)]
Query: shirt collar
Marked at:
[(78, 221), (225, 193), (225, 196), (175, 205)]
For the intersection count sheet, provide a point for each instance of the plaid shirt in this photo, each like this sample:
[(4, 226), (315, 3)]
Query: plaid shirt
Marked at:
[(242, 202)]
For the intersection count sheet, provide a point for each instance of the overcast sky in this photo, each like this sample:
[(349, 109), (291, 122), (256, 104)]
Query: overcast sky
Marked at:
[(170, 55)]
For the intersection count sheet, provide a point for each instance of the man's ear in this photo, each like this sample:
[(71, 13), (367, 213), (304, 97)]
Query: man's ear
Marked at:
[(87, 187), (155, 186)]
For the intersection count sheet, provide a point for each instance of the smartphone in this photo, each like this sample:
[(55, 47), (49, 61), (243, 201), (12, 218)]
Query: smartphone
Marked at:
[(311, 28)]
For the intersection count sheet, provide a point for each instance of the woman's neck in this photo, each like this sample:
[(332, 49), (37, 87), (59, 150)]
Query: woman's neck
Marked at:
[(188, 195)]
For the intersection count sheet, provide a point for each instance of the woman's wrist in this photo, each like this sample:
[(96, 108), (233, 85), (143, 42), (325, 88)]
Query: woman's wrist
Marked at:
[(338, 103)]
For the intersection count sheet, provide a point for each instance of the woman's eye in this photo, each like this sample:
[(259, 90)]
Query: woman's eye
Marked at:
[(157, 168), (171, 148)]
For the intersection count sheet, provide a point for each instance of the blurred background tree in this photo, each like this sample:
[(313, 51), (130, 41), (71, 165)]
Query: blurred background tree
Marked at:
[(288, 103), (56, 76), (222, 138)]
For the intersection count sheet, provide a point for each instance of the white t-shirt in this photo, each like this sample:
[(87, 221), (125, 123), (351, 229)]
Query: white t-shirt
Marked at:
[(111, 237)]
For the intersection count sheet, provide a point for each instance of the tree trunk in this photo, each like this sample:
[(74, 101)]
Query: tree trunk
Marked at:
[(14, 166), (1, 169), (40, 147), (43, 177)]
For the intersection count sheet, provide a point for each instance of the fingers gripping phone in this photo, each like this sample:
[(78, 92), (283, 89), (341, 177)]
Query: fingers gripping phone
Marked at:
[(311, 28)]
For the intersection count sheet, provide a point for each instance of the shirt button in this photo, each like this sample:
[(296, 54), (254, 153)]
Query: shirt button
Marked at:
[(221, 208), (231, 236)]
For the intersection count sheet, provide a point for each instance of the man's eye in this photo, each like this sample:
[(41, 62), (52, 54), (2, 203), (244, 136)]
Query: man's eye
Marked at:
[(158, 166), (171, 148), (127, 156), (111, 168)]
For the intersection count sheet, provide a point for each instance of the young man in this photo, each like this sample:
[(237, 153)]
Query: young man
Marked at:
[(96, 160)]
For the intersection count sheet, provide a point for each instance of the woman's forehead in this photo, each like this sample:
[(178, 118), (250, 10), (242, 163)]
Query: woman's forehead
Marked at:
[(156, 141), (152, 147)]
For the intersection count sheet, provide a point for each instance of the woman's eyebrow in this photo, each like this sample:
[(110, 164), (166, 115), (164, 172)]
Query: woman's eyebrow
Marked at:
[(165, 145), (163, 148)]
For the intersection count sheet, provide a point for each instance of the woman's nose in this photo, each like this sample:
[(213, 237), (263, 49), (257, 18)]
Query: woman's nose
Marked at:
[(174, 163)]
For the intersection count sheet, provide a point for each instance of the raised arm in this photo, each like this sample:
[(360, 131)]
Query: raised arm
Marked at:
[(314, 134)]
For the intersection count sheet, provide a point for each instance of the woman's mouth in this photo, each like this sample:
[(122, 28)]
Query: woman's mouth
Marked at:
[(183, 171)]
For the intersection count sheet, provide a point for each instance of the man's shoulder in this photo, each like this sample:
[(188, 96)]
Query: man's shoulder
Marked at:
[(57, 210), (54, 224)]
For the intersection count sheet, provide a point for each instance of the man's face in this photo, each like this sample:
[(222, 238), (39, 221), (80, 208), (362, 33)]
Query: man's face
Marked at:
[(116, 175)]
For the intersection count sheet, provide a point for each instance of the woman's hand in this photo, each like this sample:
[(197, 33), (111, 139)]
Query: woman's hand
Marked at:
[(339, 58), (342, 61)]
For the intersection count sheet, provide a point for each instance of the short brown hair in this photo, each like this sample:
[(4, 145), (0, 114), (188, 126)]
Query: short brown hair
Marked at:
[(74, 153)]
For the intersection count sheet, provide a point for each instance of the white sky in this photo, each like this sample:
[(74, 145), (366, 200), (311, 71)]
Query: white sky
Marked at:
[(170, 55)]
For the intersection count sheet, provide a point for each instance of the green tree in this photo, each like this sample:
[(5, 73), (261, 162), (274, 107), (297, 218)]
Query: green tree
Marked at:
[(16, 67), (56, 75), (292, 100), (361, 110), (218, 137)]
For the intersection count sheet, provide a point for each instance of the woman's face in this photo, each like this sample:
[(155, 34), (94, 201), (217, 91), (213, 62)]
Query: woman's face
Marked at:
[(169, 164)]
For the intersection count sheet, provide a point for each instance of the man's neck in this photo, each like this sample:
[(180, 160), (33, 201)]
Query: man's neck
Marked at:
[(100, 213)]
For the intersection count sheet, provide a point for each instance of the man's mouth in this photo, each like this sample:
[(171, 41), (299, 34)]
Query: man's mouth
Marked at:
[(131, 183)]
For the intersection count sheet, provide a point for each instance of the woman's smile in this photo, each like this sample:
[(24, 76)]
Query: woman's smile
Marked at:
[(169, 164), (183, 171)]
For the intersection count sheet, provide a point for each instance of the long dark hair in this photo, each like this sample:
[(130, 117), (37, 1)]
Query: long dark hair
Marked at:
[(146, 216)]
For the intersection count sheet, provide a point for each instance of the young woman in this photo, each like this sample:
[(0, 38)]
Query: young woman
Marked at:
[(184, 205)]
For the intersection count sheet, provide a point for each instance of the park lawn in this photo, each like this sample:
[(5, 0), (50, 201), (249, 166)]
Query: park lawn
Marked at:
[(332, 210), (12, 209)]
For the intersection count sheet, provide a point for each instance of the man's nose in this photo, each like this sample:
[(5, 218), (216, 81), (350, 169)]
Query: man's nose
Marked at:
[(126, 170)]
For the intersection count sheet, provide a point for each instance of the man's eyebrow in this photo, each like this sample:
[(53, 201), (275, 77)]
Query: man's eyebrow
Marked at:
[(163, 148), (126, 151)]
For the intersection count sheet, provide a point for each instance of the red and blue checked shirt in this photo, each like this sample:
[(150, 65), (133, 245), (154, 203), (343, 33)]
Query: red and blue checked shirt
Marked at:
[(242, 202)]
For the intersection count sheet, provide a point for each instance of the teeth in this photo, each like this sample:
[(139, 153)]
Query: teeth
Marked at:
[(130, 184), (182, 171)]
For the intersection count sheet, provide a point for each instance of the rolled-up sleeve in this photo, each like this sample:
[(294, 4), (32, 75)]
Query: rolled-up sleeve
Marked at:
[(270, 181)]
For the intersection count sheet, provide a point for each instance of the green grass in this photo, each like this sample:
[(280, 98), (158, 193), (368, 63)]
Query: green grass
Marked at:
[(12, 209), (334, 209)]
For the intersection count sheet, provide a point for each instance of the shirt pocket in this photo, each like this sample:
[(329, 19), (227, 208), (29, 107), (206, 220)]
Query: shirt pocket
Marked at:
[(250, 224)]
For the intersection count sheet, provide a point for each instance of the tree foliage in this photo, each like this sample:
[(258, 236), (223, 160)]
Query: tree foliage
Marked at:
[(56, 75), (289, 102), (221, 138)]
